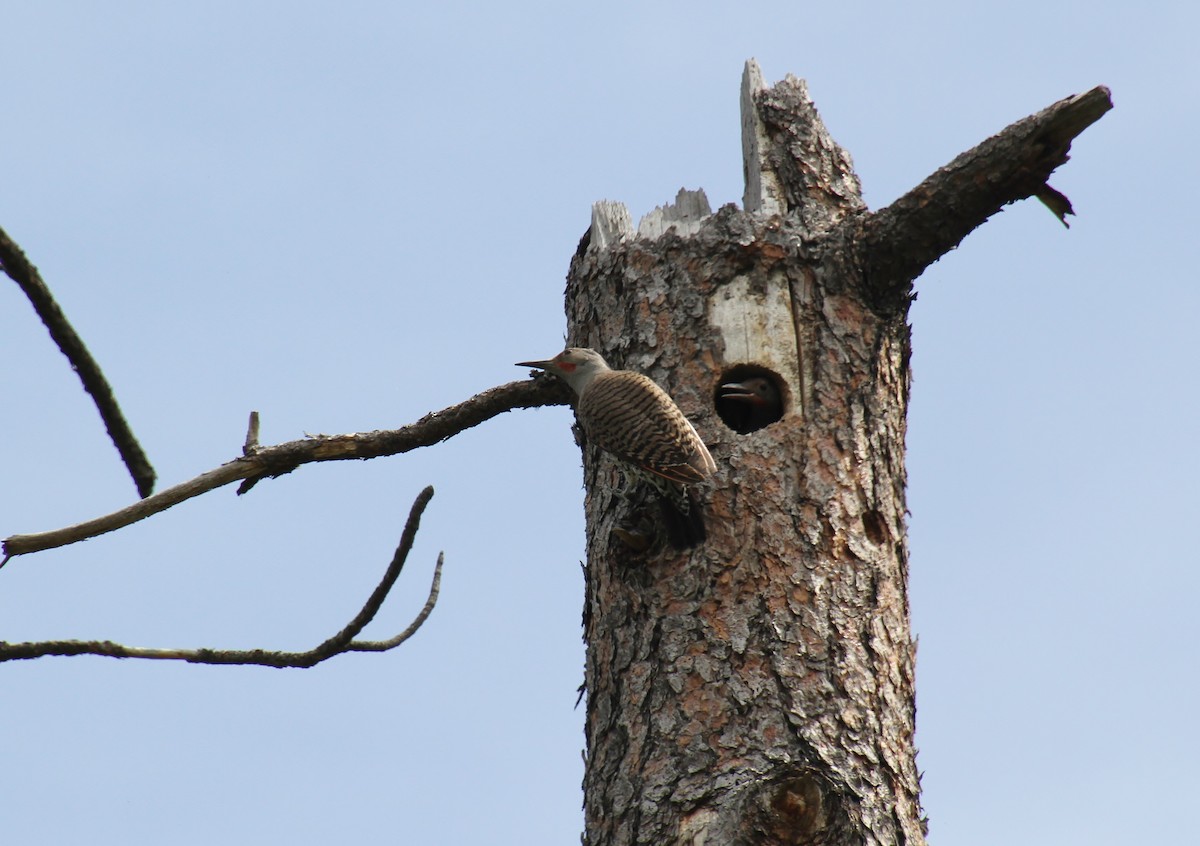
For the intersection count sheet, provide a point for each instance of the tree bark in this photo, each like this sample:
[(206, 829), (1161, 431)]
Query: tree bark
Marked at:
[(759, 689)]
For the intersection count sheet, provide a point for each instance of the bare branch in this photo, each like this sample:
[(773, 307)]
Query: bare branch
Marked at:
[(418, 621), (269, 462), (18, 267), (903, 239), (161, 501), (338, 642), (341, 642)]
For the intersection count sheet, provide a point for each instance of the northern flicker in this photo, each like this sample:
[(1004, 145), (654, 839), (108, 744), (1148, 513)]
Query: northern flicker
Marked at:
[(628, 415), (749, 405)]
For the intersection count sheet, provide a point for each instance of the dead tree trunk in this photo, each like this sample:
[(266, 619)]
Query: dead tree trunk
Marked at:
[(759, 689)]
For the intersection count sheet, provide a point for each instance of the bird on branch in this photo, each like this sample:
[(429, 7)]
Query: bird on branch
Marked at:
[(630, 417)]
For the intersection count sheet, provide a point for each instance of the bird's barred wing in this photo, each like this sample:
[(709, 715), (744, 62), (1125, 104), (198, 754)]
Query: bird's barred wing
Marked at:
[(628, 415)]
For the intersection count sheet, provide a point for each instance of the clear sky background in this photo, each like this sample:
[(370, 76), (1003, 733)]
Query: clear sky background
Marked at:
[(347, 215)]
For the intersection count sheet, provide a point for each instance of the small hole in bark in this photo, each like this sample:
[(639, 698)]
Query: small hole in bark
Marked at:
[(874, 526), (749, 398)]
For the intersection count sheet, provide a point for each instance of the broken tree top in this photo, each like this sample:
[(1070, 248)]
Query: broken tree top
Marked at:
[(793, 167)]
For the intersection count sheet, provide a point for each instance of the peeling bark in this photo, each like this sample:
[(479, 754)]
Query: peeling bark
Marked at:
[(760, 689)]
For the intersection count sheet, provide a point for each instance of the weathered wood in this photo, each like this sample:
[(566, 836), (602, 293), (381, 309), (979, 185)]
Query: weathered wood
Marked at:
[(762, 192), (759, 689), (684, 216), (611, 224)]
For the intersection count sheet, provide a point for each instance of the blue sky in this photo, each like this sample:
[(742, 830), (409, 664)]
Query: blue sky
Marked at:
[(344, 216)]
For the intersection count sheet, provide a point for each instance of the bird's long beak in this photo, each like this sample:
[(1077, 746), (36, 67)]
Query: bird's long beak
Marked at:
[(540, 365), (738, 391)]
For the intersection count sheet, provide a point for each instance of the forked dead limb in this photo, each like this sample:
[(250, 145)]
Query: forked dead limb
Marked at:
[(339, 643)]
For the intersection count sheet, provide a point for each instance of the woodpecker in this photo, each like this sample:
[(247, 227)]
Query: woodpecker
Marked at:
[(749, 405), (627, 415)]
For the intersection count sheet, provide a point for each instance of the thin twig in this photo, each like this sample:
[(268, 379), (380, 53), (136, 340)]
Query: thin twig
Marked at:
[(268, 462), (418, 621), (338, 642), (21, 270), (336, 645)]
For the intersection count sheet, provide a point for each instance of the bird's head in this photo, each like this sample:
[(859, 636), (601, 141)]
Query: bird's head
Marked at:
[(757, 391), (577, 366)]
